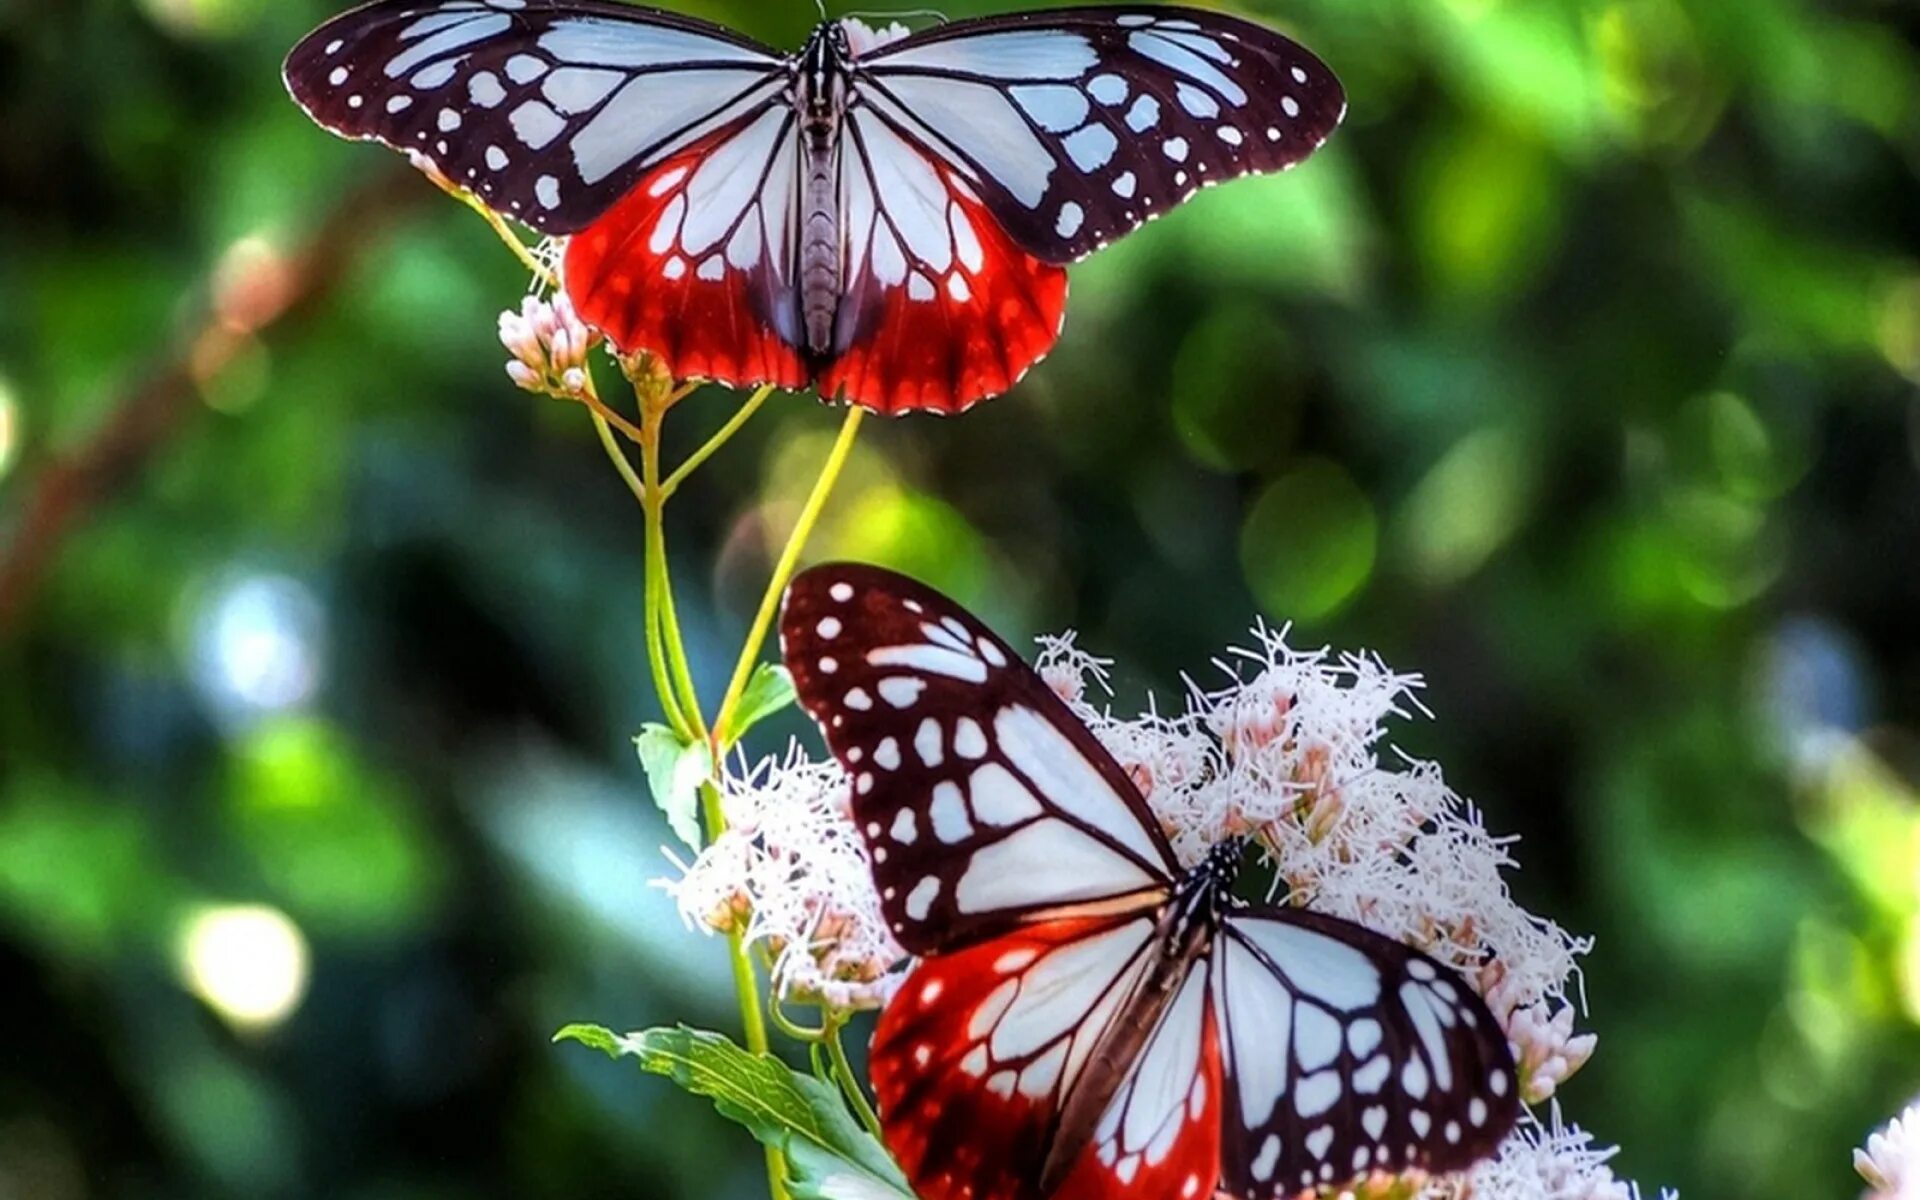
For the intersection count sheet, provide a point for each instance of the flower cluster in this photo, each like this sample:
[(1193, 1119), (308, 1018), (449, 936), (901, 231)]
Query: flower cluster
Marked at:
[(549, 344), (1890, 1161), (1557, 1161), (790, 872)]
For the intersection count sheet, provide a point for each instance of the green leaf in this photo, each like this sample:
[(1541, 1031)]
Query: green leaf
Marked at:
[(769, 690), (675, 770), (829, 1155)]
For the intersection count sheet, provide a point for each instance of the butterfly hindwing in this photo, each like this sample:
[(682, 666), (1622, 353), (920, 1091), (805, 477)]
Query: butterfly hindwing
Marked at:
[(549, 112), (1347, 1052), (1079, 125), (939, 307), (973, 1059), (982, 799), (695, 263)]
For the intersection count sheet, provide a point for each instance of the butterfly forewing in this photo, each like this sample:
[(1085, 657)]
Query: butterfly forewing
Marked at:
[(983, 800), (547, 111), (1078, 125), (1346, 1052)]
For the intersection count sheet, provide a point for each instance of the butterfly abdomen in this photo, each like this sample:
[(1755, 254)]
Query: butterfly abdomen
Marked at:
[(820, 242)]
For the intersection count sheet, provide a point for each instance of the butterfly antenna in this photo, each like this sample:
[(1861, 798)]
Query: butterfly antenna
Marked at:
[(933, 13), (822, 6)]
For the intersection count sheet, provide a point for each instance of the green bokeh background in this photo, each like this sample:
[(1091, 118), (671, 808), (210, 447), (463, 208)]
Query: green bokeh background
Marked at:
[(1578, 372)]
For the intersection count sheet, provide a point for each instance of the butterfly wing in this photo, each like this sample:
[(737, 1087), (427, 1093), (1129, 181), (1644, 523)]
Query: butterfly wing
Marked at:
[(662, 144), (549, 112), (973, 1059), (1346, 1052), (1078, 125), (940, 308), (984, 802)]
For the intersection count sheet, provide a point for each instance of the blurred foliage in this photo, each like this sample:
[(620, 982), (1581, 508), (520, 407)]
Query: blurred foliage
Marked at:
[(1578, 372)]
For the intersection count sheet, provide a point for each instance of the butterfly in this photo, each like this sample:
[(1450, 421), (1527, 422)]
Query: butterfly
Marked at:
[(1087, 1019), (886, 217)]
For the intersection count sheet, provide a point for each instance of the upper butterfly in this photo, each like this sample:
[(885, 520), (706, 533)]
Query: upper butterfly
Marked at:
[(887, 217), (1089, 1020)]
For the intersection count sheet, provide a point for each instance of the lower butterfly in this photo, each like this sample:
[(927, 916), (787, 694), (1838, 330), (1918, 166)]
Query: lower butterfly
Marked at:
[(1088, 1020), (885, 216)]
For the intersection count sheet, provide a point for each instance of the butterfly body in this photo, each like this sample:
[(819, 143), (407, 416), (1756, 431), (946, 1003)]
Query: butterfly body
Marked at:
[(886, 218), (1089, 1019)]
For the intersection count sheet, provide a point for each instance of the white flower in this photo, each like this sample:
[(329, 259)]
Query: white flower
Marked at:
[(1890, 1161), (549, 344), (1553, 1162), (864, 39), (791, 872)]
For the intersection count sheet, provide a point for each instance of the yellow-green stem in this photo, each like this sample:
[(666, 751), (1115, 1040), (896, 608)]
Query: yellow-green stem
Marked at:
[(656, 651), (501, 228), (723, 732), (666, 626), (719, 439), (849, 1082)]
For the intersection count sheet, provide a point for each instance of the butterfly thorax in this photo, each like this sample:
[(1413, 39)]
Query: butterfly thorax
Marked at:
[(820, 97), (1188, 922)]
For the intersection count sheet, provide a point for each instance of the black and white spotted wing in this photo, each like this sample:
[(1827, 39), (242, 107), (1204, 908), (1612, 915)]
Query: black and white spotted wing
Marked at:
[(1078, 125), (983, 800), (549, 111), (1345, 1052)]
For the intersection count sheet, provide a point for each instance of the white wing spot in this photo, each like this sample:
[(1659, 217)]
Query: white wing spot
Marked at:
[(338, 76), (333, 47), (1230, 135), (1267, 1159), (1421, 969), (969, 740), (1316, 1093), (886, 755), (920, 899), (546, 190), (1144, 114), (829, 627), (1072, 217), (958, 289), (1320, 1140), (496, 159), (864, 783), (905, 828), (927, 742), (949, 813), (1290, 106), (713, 268), (1453, 1131), (1196, 102), (857, 700), (1362, 1036), (1108, 89), (399, 104), (1421, 1122), (355, 102), (484, 89), (1413, 1078), (901, 690), (991, 652), (1367, 1079), (525, 68), (449, 120), (1498, 1082), (1124, 186), (1091, 147), (676, 268), (920, 289), (829, 664), (1176, 149), (999, 798), (1374, 1121), (1477, 1111), (841, 592), (1299, 76)]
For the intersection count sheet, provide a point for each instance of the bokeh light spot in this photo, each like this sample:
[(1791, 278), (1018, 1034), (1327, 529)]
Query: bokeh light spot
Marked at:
[(1467, 506), (9, 428), (248, 962), (256, 647), (1308, 543)]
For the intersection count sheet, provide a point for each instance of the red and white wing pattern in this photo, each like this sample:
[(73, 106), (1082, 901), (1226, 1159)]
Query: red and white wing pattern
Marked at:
[(940, 308), (1346, 1052), (549, 112), (1160, 1133), (973, 1059), (696, 262), (1075, 126), (984, 802)]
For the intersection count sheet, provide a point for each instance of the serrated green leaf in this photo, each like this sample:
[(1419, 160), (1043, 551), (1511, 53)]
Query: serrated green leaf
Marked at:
[(829, 1155), (675, 770), (769, 690)]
